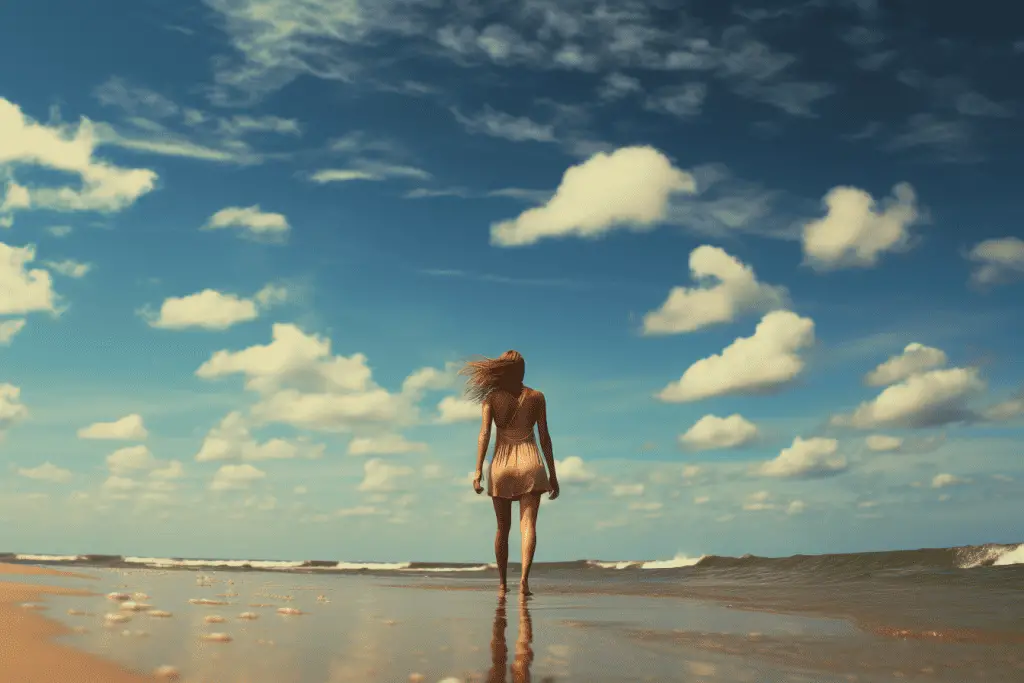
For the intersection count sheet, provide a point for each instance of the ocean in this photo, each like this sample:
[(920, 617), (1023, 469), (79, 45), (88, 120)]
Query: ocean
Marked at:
[(948, 614)]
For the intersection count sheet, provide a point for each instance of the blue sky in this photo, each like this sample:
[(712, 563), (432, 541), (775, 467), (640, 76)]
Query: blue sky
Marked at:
[(765, 260)]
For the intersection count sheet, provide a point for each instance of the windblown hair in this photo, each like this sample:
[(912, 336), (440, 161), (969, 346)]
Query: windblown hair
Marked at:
[(488, 374)]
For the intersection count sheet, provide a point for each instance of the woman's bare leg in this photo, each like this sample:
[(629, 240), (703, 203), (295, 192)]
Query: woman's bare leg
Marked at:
[(503, 513), (529, 505)]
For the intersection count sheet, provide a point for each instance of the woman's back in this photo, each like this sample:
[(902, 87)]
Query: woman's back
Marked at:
[(515, 412)]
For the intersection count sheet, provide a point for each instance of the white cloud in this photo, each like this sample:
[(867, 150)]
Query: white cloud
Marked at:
[(617, 85), (380, 476), (806, 458), (498, 124), (59, 230), (728, 289), (173, 470), (213, 310), (9, 329), (235, 477), (23, 290), (12, 410), (573, 470), (1005, 410), (630, 187), (385, 444), (368, 170), (795, 507), (758, 501), (47, 472), (880, 443), (292, 357), (128, 428), (997, 261), (916, 358), (452, 409), (302, 384), (713, 432), (251, 219), (854, 233), (232, 440), (126, 461), (69, 268), (104, 187), (768, 359), (623, 490), (923, 400), (943, 480)]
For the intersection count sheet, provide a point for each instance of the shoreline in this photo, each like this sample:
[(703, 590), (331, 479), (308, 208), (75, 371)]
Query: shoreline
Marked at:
[(28, 649)]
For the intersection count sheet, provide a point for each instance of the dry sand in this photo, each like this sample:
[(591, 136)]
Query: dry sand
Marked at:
[(28, 653)]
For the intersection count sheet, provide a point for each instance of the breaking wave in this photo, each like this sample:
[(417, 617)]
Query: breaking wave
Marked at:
[(839, 565)]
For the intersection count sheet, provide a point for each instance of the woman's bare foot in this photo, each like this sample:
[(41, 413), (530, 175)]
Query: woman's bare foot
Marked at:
[(524, 589)]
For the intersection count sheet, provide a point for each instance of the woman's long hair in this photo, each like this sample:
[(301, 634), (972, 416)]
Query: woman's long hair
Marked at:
[(487, 374)]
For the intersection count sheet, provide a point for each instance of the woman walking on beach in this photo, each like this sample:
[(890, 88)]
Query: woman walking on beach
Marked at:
[(516, 471)]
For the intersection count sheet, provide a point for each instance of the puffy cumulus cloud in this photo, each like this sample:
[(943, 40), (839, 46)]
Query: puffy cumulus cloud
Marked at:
[(301, 383), (235, 477), (728, 288), (452, 409), (758, 501), (997, 261), (815, 457), (23, 289), (923, 400), (172, 470), (767, 360), (46, 472), (572, 470), (127, 461), (213, 310), (9, 329), (69, 149), (251, 220), (385, 444), (880, 443), (943, 480), (855, 232), (629, 187), (232, 440), (915, 358), (12, 410), (712, 432), (128, 428), (431, 379), (292, 358), (379, 476)]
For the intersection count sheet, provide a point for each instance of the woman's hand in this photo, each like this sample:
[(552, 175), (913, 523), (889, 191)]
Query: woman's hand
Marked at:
[(553, 480), (476, 483)]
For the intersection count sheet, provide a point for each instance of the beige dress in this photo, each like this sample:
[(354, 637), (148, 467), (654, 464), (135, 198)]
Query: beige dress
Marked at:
[(516, 466)]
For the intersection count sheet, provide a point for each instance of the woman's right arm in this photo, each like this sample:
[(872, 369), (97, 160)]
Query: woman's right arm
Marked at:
[(545, 439)]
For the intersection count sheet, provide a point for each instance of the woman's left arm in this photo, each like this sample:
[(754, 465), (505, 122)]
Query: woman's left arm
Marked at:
[(482, 443)]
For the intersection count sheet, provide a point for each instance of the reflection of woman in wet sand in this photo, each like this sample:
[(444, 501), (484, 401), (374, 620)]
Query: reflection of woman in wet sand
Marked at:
[(499, 650), (516, 471)]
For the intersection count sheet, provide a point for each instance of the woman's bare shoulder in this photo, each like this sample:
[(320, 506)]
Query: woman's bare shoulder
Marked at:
[(534, 393)]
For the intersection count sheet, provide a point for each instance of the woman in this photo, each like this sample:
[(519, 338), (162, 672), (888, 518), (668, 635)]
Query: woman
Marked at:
[(516, 471)]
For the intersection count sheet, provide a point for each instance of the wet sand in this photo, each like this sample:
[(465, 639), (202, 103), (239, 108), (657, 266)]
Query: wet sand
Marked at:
[(28, 653), (258, 627)]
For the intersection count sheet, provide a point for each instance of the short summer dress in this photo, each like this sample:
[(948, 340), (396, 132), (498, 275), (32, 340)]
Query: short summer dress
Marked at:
[(516, 467)]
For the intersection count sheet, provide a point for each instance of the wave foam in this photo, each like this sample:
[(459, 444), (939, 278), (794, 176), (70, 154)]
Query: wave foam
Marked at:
[(1011, 556), (49, 558), (676, 562), (167, 562)]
